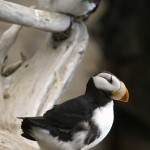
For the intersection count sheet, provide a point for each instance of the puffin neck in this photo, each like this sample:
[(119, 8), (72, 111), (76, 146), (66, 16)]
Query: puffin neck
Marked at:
[(99, 96)]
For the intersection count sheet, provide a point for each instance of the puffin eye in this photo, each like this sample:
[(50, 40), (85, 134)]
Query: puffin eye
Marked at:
[(110, 81)]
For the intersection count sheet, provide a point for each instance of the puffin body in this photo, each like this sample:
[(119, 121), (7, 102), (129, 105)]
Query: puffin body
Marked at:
[(79, 123), (73, 7)]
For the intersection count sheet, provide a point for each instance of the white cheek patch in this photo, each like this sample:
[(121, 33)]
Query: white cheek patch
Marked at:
[(105, 75), (116, 84), (102, 83)]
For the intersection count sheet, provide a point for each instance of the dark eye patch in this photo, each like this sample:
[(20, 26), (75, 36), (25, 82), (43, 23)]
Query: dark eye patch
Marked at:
[(110, 81)]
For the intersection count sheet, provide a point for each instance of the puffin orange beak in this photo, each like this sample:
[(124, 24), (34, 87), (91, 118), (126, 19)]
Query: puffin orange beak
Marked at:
[(125, 98), (122, 94)]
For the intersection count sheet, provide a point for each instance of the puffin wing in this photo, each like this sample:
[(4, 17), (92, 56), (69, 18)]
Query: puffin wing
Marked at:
[(63, 120), (60, 120), (68, 114)]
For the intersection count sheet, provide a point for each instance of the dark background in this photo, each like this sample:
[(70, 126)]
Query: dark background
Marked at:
[(124, 31)]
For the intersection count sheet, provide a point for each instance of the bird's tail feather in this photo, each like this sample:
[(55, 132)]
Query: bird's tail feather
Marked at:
[(28, 123)]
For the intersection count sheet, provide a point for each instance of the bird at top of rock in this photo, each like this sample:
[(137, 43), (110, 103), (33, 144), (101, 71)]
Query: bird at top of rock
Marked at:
[(79, 123), (77, 8)]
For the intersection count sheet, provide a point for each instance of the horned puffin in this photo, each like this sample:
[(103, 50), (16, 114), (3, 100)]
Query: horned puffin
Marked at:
[(79, 123)]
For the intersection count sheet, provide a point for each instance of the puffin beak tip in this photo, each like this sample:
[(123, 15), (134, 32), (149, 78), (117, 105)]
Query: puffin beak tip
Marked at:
[(121, 95), (125, 98)]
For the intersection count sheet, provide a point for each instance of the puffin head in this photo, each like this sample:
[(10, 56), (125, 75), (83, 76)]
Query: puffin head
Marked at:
[(111, 84)]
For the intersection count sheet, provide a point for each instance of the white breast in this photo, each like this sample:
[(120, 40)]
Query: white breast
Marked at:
[(103, 117)]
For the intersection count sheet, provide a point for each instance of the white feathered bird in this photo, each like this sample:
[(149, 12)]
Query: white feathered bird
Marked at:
[(75, 8)]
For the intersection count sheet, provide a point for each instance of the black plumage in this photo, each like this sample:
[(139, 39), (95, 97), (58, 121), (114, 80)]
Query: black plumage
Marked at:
[(66, 118)]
